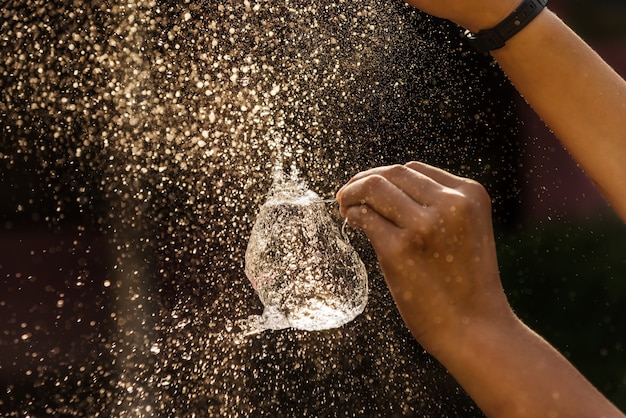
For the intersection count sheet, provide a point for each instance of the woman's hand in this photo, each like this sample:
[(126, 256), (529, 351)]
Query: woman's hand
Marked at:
[(433, 236), (472, 15)]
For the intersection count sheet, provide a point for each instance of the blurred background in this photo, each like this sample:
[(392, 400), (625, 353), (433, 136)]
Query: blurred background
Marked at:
[(125, 209), (572, 289)]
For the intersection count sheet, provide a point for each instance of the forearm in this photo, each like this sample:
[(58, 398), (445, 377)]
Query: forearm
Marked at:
[(432, 234), (512, 372), (577, 95)]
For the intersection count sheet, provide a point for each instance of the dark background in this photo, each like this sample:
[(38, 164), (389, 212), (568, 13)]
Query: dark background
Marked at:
[(560, 246)]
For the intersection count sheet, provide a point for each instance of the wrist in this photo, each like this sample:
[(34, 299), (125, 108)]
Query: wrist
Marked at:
[(488, 40), (488, 16), (472, 336)]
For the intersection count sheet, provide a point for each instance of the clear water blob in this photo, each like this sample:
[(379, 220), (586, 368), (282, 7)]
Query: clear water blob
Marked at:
[(302, 267)]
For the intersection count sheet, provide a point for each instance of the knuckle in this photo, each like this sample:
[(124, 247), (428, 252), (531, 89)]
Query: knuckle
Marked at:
[(373, 182), (412, 165), (397, 170), (471, 199), (479, 194)]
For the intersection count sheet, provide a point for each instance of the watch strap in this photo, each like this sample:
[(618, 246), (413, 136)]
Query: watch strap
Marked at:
[(495, 38)]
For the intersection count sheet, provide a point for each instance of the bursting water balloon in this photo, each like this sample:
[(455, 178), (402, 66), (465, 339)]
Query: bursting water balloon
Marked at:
[(305, 272), (135, 140)]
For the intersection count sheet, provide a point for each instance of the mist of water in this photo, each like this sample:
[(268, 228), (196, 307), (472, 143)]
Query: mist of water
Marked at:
[(138, 144)]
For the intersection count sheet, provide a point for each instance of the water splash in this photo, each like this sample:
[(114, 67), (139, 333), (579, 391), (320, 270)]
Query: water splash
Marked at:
[(305, 272), (138, 131)]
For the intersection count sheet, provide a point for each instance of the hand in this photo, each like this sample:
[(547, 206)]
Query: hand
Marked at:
[(470, 14), (433, 236)]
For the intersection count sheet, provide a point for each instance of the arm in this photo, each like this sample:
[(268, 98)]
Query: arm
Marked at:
[(433, 236), (570, 87)]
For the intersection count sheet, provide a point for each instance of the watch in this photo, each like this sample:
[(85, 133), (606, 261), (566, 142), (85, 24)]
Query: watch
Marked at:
[(489, 39)]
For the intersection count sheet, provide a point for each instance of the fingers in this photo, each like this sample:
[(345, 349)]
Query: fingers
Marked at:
[(422, 182), (467, 187), (419, 187), (436, 174), (384, 197), (410, 197), (380, 231)]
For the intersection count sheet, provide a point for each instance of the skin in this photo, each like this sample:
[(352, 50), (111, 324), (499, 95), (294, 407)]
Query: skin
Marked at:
[(432, 233), (579, 96)]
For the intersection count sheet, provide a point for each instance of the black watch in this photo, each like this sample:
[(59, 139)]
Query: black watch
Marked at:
[(495, 38)]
